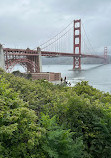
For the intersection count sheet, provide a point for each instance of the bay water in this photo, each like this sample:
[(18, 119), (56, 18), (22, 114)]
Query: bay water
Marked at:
[(98, 76)]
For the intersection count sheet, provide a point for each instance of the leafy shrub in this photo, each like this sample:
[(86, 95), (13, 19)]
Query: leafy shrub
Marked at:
[(53, 121)]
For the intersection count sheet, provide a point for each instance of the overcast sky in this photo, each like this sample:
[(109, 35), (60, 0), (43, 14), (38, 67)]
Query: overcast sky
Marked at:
[(28, 23)]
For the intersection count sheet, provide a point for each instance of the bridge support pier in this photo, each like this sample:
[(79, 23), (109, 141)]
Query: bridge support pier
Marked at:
[(2, 58), (39, 62), (76, 63)]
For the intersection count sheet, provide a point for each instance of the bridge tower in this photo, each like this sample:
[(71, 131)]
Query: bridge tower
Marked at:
[(77, 45), (105, 54)]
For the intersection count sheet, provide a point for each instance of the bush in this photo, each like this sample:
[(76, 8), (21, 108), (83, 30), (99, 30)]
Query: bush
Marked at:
[(47, 121)]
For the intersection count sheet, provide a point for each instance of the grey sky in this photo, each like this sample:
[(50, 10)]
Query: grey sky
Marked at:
[(28, 23)]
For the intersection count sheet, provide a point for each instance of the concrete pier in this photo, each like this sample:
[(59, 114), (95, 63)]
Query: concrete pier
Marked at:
[(2, 58), (39, 59)]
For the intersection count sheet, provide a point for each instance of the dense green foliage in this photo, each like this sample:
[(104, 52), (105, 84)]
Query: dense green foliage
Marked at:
[(42, 120)]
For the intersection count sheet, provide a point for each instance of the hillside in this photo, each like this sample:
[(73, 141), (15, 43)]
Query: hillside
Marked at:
[(42, 120), (69, 60)]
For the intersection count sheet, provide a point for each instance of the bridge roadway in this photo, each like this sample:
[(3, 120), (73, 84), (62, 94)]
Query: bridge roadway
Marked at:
[(28, 52)]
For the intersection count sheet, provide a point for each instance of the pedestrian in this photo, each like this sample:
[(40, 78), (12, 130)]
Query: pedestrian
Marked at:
[(65, 78)]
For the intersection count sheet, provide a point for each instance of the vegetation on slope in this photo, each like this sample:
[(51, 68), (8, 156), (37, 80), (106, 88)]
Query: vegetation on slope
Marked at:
[(42, 120)]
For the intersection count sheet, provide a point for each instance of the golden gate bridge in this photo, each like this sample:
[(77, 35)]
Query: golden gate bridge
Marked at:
[(68, 43)]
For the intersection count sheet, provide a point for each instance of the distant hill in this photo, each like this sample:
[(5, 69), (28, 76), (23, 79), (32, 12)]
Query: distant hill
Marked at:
[(69, 60)]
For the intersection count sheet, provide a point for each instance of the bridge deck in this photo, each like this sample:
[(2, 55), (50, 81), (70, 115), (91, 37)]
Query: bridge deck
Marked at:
[(28, 52)]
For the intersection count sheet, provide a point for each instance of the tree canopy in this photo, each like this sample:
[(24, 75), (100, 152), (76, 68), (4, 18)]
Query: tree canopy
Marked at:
[(42, 120)]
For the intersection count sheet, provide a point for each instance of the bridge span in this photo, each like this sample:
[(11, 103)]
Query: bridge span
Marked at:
[(31, 59)]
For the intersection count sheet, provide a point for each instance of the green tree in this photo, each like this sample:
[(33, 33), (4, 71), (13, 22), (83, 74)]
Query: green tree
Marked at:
[(91, 119), (58, 142), (19, 131), (79, 115)]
